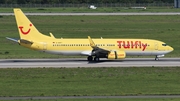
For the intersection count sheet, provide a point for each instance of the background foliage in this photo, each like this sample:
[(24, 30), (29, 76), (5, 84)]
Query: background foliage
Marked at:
[(81, 1)]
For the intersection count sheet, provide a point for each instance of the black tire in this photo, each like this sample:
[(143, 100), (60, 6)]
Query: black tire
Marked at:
[(96, 59), (89, 58), (156, 58)]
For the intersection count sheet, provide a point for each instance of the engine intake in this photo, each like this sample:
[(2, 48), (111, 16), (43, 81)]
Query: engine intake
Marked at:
[(116, 55)]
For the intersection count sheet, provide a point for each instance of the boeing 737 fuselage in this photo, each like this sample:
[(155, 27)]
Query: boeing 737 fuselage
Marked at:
[(94, 49)]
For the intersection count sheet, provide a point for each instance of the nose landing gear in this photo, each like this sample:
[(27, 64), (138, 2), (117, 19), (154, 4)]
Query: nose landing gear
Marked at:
[(156, 58)]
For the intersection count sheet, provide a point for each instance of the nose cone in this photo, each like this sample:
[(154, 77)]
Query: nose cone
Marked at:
[(170, 49)]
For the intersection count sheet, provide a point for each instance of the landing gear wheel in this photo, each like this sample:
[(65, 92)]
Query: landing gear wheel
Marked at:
[(96, 59), (89, 58), (156, 58)]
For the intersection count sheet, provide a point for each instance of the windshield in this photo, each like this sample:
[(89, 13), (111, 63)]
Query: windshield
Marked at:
[(164, 44)]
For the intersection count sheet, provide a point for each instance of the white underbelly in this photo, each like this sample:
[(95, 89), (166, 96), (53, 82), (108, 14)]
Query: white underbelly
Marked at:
[(128, 53)]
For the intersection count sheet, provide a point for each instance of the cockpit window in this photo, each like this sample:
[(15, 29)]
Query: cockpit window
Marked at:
[(164, 44)]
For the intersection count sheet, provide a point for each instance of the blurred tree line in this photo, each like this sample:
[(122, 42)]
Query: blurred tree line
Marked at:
[(80, 1)]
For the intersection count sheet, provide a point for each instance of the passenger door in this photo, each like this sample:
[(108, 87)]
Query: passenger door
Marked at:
[(156, 46)]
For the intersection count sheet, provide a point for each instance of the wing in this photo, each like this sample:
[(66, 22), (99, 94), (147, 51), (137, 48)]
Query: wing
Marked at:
[(97, 51)]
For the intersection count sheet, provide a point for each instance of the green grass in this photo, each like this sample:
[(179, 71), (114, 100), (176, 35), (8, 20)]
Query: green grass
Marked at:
[(164, 28), (99, 9), (89, 81), (135, 99)]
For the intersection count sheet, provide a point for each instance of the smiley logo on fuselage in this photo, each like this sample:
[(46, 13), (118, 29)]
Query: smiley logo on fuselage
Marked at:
[(25, 32)]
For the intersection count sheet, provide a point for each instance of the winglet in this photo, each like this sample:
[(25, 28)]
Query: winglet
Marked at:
[(92, 44)]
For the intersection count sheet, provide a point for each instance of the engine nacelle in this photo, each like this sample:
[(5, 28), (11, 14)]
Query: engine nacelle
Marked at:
[(116, 55)]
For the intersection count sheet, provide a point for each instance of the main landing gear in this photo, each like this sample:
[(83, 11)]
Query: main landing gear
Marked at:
[(90, 58)]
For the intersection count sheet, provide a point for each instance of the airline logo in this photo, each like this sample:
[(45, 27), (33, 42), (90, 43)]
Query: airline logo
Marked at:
[(25, 32), (132, 45)]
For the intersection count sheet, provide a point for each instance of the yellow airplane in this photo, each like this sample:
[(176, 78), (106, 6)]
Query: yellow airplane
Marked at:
[(94, 49)]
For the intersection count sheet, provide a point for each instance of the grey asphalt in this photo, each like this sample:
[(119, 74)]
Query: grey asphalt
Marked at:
[(82, 62), (144, 13)]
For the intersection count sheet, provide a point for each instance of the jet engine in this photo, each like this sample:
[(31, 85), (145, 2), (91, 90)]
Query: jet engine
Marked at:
[(116, 55)]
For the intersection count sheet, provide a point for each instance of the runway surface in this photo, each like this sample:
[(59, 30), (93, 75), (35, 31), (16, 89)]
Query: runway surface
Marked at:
[(50, 14), (82, 62)]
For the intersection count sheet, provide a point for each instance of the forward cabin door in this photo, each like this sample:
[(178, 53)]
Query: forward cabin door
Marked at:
[(156, 46)]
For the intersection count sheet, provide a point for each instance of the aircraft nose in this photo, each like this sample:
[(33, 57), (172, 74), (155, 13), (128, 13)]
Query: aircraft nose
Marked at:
[(170, 49)]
